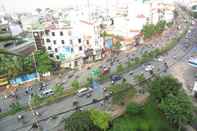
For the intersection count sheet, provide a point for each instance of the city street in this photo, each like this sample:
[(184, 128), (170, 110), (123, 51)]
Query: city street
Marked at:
[(176, 59), (10, 123)]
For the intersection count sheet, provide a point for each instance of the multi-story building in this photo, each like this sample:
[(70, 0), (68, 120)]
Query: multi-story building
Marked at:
[(38, 38), (73, 45), (12, 37)]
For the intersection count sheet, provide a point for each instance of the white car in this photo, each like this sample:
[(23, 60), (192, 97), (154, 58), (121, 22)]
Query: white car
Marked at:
[(149, 67), (160, 59)]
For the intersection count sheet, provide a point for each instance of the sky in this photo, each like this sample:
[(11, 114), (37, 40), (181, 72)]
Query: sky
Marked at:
[(29, 5)]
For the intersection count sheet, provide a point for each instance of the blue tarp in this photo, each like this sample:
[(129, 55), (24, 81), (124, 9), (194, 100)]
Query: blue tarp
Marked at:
[(23, 78), (108, 43)]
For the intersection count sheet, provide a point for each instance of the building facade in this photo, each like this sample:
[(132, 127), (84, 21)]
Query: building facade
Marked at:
[(73, 45)]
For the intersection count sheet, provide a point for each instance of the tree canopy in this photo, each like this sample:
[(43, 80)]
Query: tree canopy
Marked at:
[(58, 90), (79, 121), (43, 63), (100, 119), (163, 86), (171, 100)]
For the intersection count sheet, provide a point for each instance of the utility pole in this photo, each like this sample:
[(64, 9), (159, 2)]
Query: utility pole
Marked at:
[(35, 124)]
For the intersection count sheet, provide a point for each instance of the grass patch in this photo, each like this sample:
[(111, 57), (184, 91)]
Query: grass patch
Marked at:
[(51, 99), (149, 120)]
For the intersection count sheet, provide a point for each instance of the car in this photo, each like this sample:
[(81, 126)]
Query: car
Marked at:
[(160, 59), (149, 68), (42, 88), (115, 78), (70, 76), (88, 95), (43, 84), (20, 117), (46, 93), (130, 73), (84, 91), (94, 100), (105, 70)]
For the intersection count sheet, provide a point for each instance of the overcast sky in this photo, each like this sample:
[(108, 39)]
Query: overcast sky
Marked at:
[(28, 5)]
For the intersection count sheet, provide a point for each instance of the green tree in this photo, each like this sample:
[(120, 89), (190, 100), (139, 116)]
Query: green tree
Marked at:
[(160, 26), (120, 68), (28, 64), (10, 65), (129, 64), (148, 30), (171, 100), (15, 107), (100, 119), (163, 86), (139, 78), (58, 90), (79, 121), (43, 63), (177, 109), (134, 109), (117, 45), (36, 100), (75, 84)]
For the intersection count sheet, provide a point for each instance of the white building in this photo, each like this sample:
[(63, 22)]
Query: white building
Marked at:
[(160, 10), (73, 44)]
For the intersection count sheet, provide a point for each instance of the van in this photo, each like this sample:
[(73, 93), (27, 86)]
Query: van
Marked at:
[(84, 91), (47, 92)]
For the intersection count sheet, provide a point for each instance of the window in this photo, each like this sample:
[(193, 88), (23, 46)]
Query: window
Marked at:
[(57, 57), (62, 41), (69, 33), (87, 42), (49, 48), (53, 33), (79, 40), (71, 42), (47, 32), (80, 48), (50, 55), (54, 42), (56, 50), (48, 40), (61, 33), (72, 50)]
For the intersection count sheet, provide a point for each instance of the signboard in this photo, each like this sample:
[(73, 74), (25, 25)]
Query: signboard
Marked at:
[(95, 73)]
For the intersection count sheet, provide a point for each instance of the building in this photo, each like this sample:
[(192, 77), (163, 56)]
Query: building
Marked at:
[(160, 10), (73, 44), (38, 38)]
